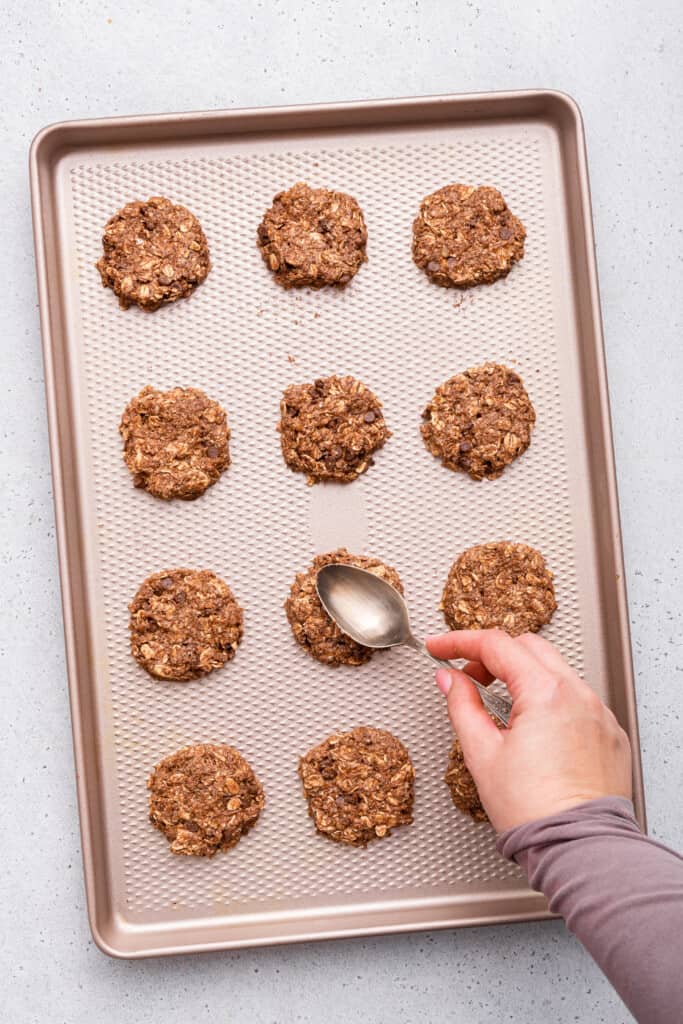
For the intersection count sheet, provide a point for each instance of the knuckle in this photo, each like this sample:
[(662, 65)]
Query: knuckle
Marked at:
[(497, 633), (492, 640), (620, 735), (490, 636), (592, 701), (528, 638), (610, 717), (553, 686)]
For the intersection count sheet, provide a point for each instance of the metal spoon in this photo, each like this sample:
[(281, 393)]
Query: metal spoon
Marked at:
[(373, 613)]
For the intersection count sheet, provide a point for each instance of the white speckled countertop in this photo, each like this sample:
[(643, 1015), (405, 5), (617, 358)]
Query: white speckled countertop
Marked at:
[(70, 59)]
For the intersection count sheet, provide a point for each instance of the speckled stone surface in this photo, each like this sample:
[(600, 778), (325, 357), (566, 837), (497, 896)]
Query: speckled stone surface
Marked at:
[(72, 60)]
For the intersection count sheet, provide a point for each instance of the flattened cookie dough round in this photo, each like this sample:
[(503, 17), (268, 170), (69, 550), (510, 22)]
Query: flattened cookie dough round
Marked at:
[(184, 623), (330, 429), (313, 236), (359, 785), (500, 585), (312, 626), (175, 443), (464, 236), (204, 799), (154, 252), (462, 786), (479, 421)]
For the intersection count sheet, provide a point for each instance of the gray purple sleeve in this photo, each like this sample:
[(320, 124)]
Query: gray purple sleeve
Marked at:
[(618, 891)]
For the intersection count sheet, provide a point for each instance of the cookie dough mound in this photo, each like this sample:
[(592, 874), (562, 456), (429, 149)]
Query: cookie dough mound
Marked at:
[(462, 786), (204, 799), (312, 626), (499, 585), (312, 236), (479, 421), (154, 252), (359, 785), (329, 429), (184, 623), (464, 236), (175, 443)]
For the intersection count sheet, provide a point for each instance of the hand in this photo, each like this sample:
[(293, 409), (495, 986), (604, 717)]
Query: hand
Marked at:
[(563, 746)]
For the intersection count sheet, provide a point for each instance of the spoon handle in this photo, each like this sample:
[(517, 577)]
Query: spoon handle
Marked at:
[(499, 706)]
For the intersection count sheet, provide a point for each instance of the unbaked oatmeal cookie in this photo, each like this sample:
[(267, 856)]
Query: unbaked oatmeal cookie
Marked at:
[(500, 585), (204, 799), (359, 785), (465, 236), (312, 626), (462, 786), (154, 252), (330, 429), (175, 443), (479, 421), (313, 236), (184, 623)]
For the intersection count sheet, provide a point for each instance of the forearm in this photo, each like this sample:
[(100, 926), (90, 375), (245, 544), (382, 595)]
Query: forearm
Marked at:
[(618, 891)]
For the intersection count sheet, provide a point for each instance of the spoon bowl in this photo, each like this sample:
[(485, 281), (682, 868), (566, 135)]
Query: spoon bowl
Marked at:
[(374, 614), (364, 606)]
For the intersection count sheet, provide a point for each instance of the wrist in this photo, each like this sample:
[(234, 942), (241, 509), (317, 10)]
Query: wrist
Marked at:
[(514, 816)]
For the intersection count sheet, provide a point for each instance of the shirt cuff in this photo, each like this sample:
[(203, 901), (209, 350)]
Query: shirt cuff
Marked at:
[(613, 812)]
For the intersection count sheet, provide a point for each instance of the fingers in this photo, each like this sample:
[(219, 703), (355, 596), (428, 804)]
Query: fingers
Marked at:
[(475, 730), (475, 670), (503, 656), (546, 652), (550, 658)]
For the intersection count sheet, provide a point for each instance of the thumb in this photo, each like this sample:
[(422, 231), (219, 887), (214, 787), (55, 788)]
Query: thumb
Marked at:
[(477, 733)]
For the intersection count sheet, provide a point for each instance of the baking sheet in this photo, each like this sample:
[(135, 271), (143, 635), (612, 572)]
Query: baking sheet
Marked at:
[(243, 339)]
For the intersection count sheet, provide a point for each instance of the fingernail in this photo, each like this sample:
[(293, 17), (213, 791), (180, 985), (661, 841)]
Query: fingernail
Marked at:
[(444, 680)]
